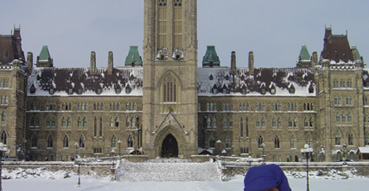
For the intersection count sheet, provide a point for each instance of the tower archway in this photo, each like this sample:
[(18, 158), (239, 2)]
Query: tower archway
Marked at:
[(169, 147)]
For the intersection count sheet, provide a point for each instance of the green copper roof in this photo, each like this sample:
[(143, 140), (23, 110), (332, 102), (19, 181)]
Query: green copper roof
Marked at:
[(133, 57), (211, 56), (44, 54), (304, 53), (358, 56)]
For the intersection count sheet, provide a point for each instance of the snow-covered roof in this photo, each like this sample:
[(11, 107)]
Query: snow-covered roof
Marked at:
[(265, 81), (363, 150)]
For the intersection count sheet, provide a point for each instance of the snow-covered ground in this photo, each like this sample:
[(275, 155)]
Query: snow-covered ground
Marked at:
[(43, 180)]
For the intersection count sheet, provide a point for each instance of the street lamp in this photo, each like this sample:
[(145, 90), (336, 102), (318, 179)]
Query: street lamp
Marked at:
[(78, 164), (307, 150), (263, 156), (3, 150), (344, 146), (119, 142)]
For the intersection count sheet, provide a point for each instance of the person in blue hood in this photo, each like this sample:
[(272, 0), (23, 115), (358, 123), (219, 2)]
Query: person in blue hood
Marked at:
[(266, 178)]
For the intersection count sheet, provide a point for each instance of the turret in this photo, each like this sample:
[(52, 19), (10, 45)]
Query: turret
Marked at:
[(314, 59), (44, 59), (211, 58)]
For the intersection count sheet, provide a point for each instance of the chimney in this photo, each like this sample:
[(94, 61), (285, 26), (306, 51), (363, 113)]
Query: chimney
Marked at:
[(314, 59), (29, 62), (93, 63), (251, 63), (110, 63), (233, 63)]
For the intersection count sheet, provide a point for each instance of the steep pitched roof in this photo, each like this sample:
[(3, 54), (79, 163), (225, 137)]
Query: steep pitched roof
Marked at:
[(133, 57), (304, 53), (10, 47), (211, 57), (336, 47), (45, 54)]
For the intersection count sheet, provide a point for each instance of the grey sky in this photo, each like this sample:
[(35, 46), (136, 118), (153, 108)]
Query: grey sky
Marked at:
[(273, 29)]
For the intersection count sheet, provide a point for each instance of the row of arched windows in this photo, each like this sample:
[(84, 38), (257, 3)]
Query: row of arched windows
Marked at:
[(342, 83), (228, 141), (277, 141), (81, 141), (343, 118), (350, 138)]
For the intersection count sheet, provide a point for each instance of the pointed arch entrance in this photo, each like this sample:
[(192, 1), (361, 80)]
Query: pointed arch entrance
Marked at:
[(169, 147)]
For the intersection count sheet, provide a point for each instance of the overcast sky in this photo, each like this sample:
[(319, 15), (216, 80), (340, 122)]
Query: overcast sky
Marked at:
[(273, 29)]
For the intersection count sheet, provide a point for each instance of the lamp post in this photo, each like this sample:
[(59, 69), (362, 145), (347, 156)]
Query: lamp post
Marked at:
[(78, 164), (3, 150), (263, 156), (119, 142), (344, 146), (307, 150)]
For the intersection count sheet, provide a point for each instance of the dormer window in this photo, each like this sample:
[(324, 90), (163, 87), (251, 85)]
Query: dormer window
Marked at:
[(244, 90), (118, 90), (99, 91), (292, 89), (128, 89), (272, 91), (263, 91), (211, 77), (32, 89), (51, 91), (70, 91), (227, 77), (311, 88), (214, 89), (79, 91)]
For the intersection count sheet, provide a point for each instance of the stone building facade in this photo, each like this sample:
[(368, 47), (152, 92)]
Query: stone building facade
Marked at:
[(164, 105)]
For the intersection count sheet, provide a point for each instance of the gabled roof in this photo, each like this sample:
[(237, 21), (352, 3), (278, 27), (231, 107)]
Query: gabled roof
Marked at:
[(304, 54), (133, 57), (44, 54), (211, 57)]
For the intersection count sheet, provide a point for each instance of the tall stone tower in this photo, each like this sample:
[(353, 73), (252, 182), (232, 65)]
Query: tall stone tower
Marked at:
[(170, 71)]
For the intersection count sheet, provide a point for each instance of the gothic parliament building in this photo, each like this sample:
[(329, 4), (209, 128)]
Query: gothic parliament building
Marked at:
[(164, 105)]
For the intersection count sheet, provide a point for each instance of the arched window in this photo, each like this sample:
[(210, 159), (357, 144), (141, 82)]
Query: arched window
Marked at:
[(260, 142), (343, 117), (65, 142), (53, 122), (274, 124), (295, 122), (309, 141), (337, 138), (111, 122), (162, 3), (212, 141), (37, 123), (116, 122), (47, 122), (130, 141), (366, 138), (293, 142), (169, 89), (79, 122), (49, 141), (32, 123), (63, 122), (225, 123), (311, 122), (128, 121), (34, 141), (69, 122), (276, 142), (114, 142), (306, 122), (214, 122), (3, 138), (338, 117), (84, 122), (350, 139), (263, 122), (228, 142), (3, 116), (177, 3), (279, 122), (82, 142), (349, 118), (209, 123), (257, 122)]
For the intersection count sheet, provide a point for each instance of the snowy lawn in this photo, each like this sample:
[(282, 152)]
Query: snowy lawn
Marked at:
[(57, 182)]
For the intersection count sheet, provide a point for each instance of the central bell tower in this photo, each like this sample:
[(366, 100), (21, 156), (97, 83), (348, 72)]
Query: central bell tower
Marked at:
[(170, 76)]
